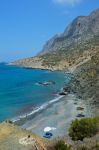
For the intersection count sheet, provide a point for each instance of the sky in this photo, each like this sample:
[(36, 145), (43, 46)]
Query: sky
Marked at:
[(26, 25)]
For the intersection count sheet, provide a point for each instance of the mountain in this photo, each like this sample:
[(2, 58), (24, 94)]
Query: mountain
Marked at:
[(78, 42), (83, 28)]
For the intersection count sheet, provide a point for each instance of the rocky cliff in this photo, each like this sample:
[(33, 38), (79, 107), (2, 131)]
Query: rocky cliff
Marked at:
[(82, 29), (77, 43)]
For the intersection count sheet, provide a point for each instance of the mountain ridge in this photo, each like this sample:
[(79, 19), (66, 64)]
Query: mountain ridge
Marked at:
[(79, 40), (77, 27)]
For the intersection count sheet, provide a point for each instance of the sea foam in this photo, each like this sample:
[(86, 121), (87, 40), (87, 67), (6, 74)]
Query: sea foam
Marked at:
[(37, 109)]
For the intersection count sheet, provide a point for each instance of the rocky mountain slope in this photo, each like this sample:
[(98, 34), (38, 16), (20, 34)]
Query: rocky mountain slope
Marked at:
[(77, 43), (82, 29), (85, 82)]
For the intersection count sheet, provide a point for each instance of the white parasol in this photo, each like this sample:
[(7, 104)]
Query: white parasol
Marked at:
[(47, 129)]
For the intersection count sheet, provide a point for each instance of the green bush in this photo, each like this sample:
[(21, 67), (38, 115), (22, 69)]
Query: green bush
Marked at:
[(60, 145), (86, 127)]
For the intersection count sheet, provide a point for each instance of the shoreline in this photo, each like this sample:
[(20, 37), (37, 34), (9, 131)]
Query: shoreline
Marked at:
[(58, 116), (34, 112), (36, 68)]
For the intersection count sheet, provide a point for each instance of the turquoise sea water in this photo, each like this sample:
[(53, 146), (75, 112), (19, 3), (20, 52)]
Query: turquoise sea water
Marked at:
[(20, 93)]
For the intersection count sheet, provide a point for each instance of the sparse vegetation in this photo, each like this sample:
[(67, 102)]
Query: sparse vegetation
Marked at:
[(60, 145)]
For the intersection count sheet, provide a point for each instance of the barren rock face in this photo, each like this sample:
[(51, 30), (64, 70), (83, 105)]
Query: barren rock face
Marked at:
[(81, 29)]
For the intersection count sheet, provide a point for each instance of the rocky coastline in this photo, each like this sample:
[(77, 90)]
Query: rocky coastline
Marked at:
[(75, 51)]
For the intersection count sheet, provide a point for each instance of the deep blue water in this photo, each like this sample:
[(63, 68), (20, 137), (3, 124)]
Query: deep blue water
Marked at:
[(19, 92)]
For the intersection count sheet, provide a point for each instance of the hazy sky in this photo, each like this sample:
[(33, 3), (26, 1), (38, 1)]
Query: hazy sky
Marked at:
[(25, 25)]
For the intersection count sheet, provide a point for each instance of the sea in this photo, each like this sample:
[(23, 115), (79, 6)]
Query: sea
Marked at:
[(22, 90)]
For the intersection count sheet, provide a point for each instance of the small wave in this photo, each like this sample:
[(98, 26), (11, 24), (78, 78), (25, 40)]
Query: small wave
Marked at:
[(37, 109)]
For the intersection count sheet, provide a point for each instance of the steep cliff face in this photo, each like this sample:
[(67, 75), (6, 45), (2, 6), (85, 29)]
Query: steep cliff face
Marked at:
[(83, 28)]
